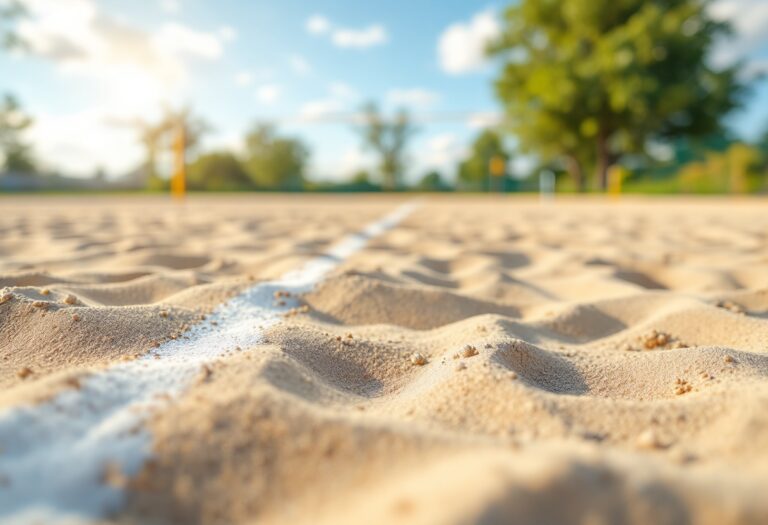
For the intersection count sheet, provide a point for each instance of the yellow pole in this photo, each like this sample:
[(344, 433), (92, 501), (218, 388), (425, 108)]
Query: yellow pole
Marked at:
[(179, 178)]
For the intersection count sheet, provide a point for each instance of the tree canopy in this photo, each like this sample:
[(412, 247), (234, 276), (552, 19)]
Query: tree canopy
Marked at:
[(474, 170), (159, 136), (433, 181), (389, 140), (586, 81), (15, 154), (218, 171), (275, 162)]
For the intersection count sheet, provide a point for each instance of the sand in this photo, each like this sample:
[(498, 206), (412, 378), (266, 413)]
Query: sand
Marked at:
[(489, 360)]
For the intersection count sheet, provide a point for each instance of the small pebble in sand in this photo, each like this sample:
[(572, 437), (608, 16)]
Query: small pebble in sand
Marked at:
[(24, 372), (418, 359), (40, 304), (488, 345), (75, 317), (6, 297), (469, 351), (70, 299), (729, 359), (655, 339), (683, 387), (349, 336), (163, 314), (649, 439), (731, 307), (45, 291), (205, 374)]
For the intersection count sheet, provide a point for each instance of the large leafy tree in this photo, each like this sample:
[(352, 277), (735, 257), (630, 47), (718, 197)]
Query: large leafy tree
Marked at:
[(387, 138), (218, 171), (474, 172), (158, 137), (15, 154), (586, 81), (275, 162), (10, 10)]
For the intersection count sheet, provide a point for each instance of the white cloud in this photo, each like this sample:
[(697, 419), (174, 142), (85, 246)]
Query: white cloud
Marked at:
[(244, 78), (227, 33), (484, 119), (442, 152), (415, 97), (76, 34), (341, 98), (79, 142), (316, 110), (170, 6), (299, 65), (461, 47), (360, 38), (345, 37), (749, 19), (268, 93), (129, 72), (177, 39), (340, 90), (318, 25), (355, 159)]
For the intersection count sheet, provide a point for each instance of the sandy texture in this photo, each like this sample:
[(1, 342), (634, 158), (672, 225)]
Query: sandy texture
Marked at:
[(84, 281), (487, 361)]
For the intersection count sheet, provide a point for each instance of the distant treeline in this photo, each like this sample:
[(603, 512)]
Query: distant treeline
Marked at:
[(595, 93)]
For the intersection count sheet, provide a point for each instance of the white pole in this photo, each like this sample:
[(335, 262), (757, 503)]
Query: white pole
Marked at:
[(546, 185)]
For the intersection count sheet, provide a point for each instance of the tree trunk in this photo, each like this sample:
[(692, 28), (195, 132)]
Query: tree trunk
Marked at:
[(576, 172), (604, 160)]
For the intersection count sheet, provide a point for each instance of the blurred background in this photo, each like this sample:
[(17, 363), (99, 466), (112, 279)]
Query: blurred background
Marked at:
[(567, 95)]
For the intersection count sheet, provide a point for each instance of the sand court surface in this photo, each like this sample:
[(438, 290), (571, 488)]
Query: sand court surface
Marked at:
[(481, 360)]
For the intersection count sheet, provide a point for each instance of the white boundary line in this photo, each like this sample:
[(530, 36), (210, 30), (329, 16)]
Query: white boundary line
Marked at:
[(53, 455)]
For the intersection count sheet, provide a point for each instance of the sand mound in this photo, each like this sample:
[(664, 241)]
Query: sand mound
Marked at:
[(487, 361)]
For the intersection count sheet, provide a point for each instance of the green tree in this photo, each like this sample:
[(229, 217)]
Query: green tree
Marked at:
[(159, 136), (218, 171), (274, 162), (389, 140), (762, 146), (433, 181), (15, 154), (10, 11), (474, 172), (586, 81)]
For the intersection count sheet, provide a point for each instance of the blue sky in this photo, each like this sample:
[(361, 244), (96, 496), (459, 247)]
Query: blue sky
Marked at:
[(94, 66)]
